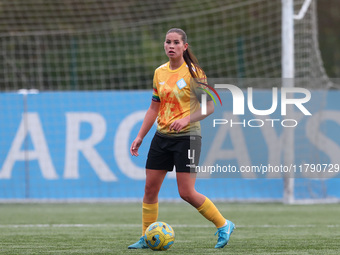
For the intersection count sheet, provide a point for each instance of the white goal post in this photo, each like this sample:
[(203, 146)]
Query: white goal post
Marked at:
[(288, 67), (288, 74)]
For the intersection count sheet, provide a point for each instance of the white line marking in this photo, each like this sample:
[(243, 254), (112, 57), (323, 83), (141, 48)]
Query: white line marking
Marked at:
[(139, 225)]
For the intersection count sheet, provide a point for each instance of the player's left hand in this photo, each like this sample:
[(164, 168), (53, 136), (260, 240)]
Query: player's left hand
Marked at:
[(178, 125)]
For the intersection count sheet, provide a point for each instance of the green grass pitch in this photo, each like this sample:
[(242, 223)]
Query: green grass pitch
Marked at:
[(108, 228)]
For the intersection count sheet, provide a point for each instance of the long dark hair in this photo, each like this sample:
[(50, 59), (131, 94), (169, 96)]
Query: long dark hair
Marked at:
[(188, 56)]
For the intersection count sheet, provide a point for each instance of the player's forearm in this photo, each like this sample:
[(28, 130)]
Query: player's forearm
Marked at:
[(178, 125), (149, 120), (197, 115)]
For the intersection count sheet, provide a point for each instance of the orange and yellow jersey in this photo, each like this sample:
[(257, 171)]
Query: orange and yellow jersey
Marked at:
[(172, 89)]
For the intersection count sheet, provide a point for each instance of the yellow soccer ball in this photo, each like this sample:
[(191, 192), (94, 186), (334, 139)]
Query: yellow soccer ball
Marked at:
[(159, 236)]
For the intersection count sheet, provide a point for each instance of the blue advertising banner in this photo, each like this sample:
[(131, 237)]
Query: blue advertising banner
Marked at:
[(75, 145)]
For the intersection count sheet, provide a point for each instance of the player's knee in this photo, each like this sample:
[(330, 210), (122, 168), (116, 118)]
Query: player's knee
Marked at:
[(151, 191), (186, 195)]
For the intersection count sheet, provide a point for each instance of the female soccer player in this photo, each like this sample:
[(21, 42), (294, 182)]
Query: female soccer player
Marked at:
[(178, 128)]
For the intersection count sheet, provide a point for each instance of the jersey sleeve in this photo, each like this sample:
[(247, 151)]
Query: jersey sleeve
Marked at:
[(155, 96)]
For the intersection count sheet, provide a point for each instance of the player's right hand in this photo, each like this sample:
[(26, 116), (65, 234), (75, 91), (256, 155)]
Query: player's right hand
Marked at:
[(135, 146)]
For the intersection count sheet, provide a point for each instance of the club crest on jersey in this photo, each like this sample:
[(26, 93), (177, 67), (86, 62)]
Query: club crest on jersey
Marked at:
[(181, 83)]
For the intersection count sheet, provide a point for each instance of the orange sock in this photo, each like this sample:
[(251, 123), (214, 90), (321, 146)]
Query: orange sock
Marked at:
[(149, 215), (210, 212)]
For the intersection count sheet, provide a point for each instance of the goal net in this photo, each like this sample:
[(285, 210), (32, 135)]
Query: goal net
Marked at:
[(104, 45), (99, 44)]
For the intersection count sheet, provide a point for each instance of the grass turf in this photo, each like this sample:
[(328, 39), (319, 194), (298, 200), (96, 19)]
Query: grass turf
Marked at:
[(110, 228)]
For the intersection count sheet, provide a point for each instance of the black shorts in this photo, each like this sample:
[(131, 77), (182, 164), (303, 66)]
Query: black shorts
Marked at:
[(165, 152)]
